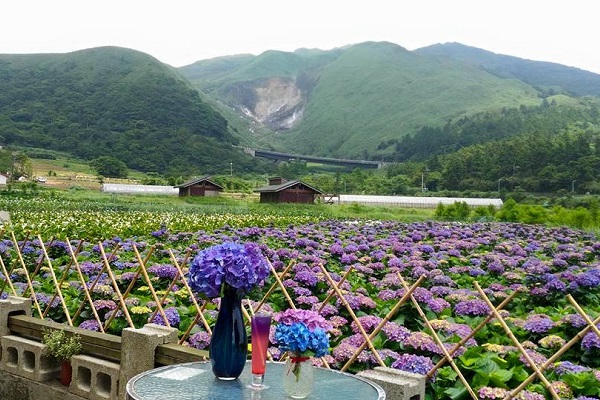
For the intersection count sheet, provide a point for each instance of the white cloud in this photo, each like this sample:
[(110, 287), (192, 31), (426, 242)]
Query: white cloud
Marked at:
[(180, 32)]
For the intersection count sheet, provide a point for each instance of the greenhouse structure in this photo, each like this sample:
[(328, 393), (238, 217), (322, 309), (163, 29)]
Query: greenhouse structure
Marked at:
[(414, 201), (138, 189)]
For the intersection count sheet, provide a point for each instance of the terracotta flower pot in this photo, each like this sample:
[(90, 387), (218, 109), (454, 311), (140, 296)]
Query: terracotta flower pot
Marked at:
[(66, 372)]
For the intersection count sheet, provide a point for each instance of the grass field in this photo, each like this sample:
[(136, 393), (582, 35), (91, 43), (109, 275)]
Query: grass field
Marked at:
[(65, 173)]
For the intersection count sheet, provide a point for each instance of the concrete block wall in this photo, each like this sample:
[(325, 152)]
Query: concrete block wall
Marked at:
[(13, 387), (138, 347), (12, 305), (94, 378), (24, 357)]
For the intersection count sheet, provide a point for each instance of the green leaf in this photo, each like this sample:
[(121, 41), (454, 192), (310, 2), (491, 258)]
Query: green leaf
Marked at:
[(500, 376), (519, 373), (480, 380), (486, 366), (457, 393)]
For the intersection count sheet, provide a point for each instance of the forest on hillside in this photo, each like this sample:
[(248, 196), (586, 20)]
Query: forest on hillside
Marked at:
[(117, 102), (547, 150), (534, 149)]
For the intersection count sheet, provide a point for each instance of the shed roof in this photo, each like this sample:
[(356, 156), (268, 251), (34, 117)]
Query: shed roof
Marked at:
[(283, 186), (206, 178)]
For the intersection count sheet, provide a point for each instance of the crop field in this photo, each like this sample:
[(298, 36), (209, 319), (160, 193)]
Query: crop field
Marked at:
[(480, 308)]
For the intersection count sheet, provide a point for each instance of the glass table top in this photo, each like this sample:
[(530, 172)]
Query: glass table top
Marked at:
[(195, 381)]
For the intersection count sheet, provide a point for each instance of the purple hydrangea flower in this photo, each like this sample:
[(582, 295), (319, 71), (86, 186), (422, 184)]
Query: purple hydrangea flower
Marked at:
[(395, 332), (307, 277), (591, 341), (537, 358), (538, 323), (241, 266), (172, 316), (311, 319), (575, 320), (588, 279), (346, 350), (368, 323), (567, 367), (200, 340), (471, 307), (413, 363), (90, 325), (164, 271), (488, 392), (556, 285), (438, 305), (422, 341)]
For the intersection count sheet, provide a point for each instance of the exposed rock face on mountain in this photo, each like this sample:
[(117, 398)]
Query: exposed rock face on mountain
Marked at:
[(274, 102)]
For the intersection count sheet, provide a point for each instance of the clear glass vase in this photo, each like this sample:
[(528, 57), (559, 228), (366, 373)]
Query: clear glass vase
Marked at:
[(298, 377)]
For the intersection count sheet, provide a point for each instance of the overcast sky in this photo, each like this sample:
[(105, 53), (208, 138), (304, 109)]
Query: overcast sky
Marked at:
[(180, 32)]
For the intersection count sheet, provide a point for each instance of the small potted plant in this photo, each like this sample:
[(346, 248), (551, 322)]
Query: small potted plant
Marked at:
[(62, 345)]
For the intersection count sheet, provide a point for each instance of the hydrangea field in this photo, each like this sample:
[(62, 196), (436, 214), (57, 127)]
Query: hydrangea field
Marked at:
[(548, 272)]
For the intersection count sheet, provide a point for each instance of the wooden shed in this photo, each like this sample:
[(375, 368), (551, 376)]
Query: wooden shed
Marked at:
[(281, 191), (199, 187)]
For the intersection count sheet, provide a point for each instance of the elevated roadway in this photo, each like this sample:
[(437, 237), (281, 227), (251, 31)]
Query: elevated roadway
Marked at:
[(279, 156)]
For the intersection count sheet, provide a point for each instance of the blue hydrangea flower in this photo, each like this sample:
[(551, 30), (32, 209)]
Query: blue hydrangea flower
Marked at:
[(299, 339), (303, 332)]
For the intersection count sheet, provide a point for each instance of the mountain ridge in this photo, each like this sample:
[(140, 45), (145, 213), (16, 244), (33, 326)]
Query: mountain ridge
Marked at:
[(372, 92), (354, 102), (575, 80)]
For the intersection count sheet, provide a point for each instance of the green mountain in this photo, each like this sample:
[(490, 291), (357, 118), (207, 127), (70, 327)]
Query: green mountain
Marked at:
[(373, 100), (349, 102), (113, 101), (551, 77)]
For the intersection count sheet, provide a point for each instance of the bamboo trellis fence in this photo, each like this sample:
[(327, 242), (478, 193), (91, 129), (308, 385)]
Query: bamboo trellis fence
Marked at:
[(9, 265)]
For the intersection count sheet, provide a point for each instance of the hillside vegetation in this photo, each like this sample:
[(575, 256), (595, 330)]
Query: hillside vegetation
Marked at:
[(546, 76), (112, 101), (356, 98), (457, 118)]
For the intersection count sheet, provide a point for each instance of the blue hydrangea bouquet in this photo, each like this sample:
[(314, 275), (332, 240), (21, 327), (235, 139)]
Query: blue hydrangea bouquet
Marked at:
[(303, 333)]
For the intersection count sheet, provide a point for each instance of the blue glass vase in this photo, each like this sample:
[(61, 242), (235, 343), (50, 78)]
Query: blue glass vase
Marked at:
[(228, 347)]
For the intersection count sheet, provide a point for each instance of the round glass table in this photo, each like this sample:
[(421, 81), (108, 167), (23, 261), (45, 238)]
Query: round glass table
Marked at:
[(195, 381)]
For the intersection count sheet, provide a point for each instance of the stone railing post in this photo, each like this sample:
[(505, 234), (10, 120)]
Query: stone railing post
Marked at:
[(138, 347), (398, 385), (12, 305)]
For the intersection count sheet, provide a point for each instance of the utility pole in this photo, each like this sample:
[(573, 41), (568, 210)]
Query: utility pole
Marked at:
[(12, 168)]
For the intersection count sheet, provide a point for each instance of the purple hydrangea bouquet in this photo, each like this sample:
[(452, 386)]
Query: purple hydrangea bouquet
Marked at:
[(240, 266), (229, 270), (303, 333)]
